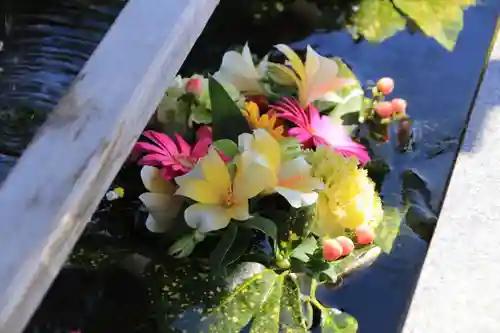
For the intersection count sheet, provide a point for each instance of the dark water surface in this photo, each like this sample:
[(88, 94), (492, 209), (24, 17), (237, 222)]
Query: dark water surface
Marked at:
[(46, 46)]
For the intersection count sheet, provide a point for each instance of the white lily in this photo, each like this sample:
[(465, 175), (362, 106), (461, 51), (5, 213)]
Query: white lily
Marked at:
[(160, 201), (239, 70), (316, 79), (290, 178)]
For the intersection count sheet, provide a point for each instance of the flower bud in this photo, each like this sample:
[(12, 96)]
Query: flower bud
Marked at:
[(346, 244), (399, 106), (385, 85), (194, 86), (183, 247), (332, 250), (384, 109), (365, 235)]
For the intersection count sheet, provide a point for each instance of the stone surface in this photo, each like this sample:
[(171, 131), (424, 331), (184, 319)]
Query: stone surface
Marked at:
[(459, 288)]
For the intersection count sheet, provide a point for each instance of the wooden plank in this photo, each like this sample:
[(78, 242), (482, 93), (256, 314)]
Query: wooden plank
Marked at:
[(61, 177)]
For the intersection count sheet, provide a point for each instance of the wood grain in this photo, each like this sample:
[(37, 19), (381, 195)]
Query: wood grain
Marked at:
[(61, 177)]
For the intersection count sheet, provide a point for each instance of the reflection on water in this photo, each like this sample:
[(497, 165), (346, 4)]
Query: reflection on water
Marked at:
[(47, 46)]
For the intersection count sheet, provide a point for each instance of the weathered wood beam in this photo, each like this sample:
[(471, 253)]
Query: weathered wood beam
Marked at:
[(61, 177)]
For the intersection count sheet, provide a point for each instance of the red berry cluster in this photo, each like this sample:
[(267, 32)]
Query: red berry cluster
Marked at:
[(387, 109), (342, 246)]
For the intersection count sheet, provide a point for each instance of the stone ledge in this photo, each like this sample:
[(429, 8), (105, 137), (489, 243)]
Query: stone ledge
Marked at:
[(459, 287)]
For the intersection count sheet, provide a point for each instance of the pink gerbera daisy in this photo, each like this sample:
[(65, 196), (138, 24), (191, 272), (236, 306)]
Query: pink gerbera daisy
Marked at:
[(314, 129), (173, 157)]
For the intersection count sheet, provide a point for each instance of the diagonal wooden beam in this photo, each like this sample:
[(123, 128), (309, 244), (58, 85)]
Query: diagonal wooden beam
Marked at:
[(61, 177)]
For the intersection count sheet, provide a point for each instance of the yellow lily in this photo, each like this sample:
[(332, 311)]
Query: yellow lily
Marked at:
[(348, 200), (239, 70), (219, 196), (160, 201), (316, 79), (256, 120), (290, 178)]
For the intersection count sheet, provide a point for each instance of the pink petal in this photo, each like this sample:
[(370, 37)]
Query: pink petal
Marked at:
[(204, 132), (162, 140), (200, 149), (156, 160), (145, 147), (185, 148)]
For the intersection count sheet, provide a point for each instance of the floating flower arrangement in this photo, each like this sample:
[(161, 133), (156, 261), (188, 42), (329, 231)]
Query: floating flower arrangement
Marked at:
[(262, 169)]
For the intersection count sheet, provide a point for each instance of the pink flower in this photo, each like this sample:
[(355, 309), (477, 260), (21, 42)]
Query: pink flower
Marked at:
[(314, 129), (173, 158)]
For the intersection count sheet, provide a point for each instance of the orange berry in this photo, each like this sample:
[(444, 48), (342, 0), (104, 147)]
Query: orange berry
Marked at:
[(385, 85), (365, 235), (332, 250), (194, 86), (384, 109), (399, 105), (346, 244)]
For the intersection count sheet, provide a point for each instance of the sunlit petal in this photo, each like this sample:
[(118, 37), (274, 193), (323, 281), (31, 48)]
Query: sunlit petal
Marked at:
[(297, 199), (294, 60), (199, 190), (154, 182), (251, 179), (206, 218), (215, 172)]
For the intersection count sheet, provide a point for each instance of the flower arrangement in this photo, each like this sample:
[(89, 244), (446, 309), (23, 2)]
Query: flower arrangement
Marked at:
[(261, 168)]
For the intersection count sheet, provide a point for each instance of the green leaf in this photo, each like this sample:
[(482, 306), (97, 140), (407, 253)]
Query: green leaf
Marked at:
[(305, 249), (267, 318), (222, 249), (267, 226), (359, 258), (227, 119), (239, 307), (388, 229), (335, 321), (292, 317), (439, 19), (239, 247), (377, 20), (226, 146)]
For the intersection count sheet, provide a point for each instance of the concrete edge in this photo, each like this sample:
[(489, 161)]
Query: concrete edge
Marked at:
[(459, 286)]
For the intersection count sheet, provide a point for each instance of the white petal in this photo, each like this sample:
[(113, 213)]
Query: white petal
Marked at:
[(297, 199), (153, 181), (196, 173), (245, 141), (263, 65), (235, 63), (240, 211), (312, 62), (206, 218), (247, 55), (162, 210)]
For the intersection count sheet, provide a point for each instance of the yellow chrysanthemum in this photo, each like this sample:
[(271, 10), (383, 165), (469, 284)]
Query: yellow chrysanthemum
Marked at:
[(269, 123), (348, 200)]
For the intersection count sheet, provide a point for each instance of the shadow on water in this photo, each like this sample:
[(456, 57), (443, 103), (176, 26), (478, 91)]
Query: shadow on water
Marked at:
[(47, 45)]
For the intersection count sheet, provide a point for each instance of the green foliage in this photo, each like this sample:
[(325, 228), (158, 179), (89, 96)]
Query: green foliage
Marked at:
[(226, 146), (264, 225), (227, 120), (388, 229), (377, 20), (335, 321), (305, 249), (238, 308)]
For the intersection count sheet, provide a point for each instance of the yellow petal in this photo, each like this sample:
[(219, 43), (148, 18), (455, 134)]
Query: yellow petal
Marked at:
[(251, 178), (206, 218), (283, 75), (200, 191), (294, 60), (268, 149), (216, 173)]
